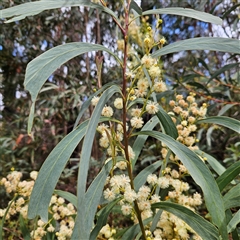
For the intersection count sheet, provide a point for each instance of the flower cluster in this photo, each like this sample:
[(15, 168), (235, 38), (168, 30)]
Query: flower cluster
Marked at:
[(185, 113), (61, 214), (169, 226)]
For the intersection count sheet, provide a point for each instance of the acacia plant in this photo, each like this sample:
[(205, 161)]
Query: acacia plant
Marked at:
[(157, 199)]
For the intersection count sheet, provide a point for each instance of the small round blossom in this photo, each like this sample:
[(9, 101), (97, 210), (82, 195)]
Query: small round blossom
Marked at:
[(189, 141), (155, 199), (136, 112), (139, 93), (172, 103), (160, 86), (121, 165), (174, 173), (130, 195), (197, 199), (131, 153), (118, 103), (152, 107), (107, 111), (120, 44), (143, 192), (109, 194), (184, 123), (20, 201), (147, 61), (163, 182), (163, 40), (104, 142), (143, 84), (146, 214), (144, 205), (179, 97), (95, 100), (33, 175), (152, 179), (190, 99), (60, 200), (147, 41), (177, 109), (50, 228), (137, 122), (202, 112), (154, 71), (191, 119), (102, 128), (126, 209)]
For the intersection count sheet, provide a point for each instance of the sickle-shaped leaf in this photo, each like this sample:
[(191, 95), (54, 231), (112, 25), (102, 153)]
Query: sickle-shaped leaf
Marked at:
[(203, 228), (167, 123), (201, 175), (135, 7), (21, 11), (41, 68), (51, 171), (88, 209), (186, 12), (232, 197), (228, 122), (201, 43), (228, 175), (234, 222), (82, 228)]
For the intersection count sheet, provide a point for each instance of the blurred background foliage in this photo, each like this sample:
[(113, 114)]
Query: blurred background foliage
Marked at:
[(213, 76)]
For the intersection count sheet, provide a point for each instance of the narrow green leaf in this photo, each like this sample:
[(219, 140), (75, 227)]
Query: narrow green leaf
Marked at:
[(102, 218), (30, 118), (201, 43), (213, 162), (230, 10), (167, 123), (68, 196), (80, 229), (234, 222), (228, 175), (21, 11), (41, 68), (88, 208), (186, 12), (155, 220), (201, 175), (223, 69), (135, 7), (234, 232), (232, 197), (24, 230), (225, 108), (51, 171), (228, 122), (141, 178), (202, 227)]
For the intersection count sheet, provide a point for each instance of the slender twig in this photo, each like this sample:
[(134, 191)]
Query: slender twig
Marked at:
[(124, 117)]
